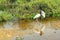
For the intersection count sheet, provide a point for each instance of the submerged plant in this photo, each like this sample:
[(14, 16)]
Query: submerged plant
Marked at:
[(18, 38)]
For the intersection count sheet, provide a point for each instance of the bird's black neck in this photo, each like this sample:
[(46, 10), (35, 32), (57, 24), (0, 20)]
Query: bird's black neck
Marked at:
[(40, 8), (40, 11)]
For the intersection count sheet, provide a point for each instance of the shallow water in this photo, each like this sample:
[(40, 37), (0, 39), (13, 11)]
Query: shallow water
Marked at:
[(30, 30)]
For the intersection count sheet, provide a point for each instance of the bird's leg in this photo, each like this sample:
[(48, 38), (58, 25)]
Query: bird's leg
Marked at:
[(37, 20)]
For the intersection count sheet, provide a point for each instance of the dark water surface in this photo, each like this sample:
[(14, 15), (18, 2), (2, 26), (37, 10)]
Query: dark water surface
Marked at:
[(30, 30)]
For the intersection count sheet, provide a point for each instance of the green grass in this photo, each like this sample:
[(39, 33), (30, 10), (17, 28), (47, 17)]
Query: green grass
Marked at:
[(28, 8), (18, 38), (5, 16)]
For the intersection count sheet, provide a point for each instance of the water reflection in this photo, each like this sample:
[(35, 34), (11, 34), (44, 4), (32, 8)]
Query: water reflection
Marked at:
[(28, 27), (31, 25)]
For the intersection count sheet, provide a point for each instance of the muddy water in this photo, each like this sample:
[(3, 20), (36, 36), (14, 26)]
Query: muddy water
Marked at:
[(30, 30)]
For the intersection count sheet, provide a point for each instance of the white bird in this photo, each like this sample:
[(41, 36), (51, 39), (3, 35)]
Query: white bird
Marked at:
[(36, 16), (42, 13)]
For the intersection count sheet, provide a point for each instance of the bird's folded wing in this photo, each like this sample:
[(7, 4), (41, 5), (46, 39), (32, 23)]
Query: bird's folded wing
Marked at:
[(37, 16)]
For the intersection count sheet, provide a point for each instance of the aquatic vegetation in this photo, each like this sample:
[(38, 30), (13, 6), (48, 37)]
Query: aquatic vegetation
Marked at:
[(18, 38)]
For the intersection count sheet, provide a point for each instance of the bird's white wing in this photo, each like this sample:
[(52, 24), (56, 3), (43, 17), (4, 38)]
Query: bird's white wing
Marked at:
[(43, 13), (37, 16)]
